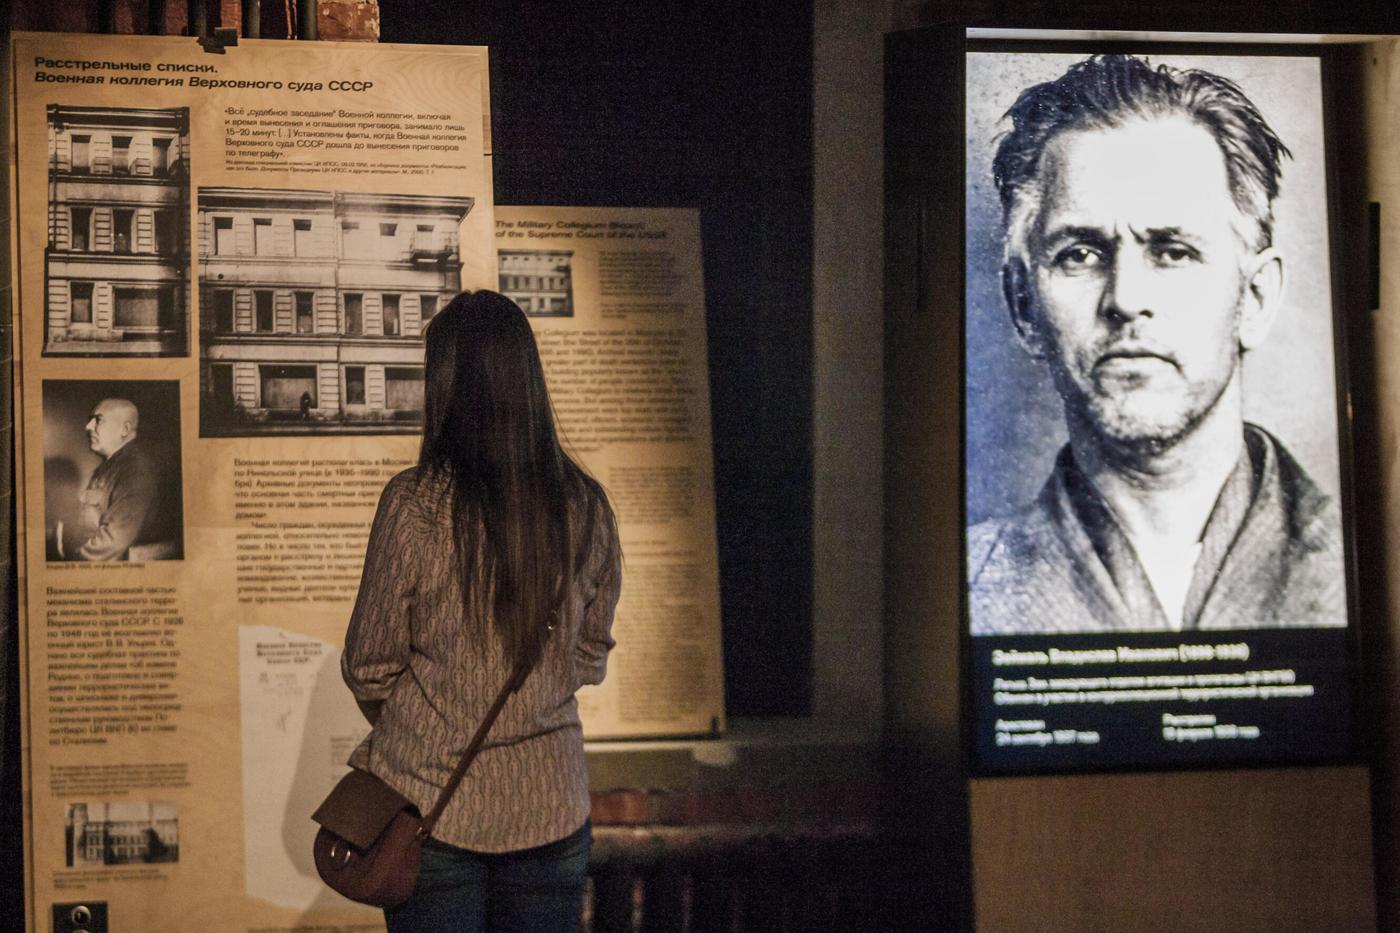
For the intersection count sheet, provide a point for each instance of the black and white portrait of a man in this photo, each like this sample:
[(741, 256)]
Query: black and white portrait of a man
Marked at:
[(1151, 407)]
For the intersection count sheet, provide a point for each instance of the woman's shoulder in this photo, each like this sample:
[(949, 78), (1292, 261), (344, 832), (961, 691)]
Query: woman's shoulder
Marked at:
[(415, 489), (402, 485)]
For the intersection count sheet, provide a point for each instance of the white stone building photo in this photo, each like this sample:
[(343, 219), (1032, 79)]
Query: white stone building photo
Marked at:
[(117, 260), (539, 280), (312, 306), (122, 833)]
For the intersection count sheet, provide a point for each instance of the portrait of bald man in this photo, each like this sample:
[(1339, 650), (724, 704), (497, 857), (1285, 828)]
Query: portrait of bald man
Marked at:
[(123, 509), (1138, 271)]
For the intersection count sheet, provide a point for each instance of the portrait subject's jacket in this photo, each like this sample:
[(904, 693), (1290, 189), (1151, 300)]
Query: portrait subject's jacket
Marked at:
[(412, 645), (1271, 557), (120, 504)]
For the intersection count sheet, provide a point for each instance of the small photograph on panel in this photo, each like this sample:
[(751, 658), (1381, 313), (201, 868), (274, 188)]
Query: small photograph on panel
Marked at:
[(121, 833), (539, 280), (1152, 415), (112, 476), (312, 306), (116, 267)]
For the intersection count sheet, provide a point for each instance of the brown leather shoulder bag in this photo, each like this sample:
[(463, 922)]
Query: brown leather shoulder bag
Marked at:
[(371, 836)]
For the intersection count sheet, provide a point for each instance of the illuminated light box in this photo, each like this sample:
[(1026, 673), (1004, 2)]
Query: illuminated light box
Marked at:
[(1157, 561)]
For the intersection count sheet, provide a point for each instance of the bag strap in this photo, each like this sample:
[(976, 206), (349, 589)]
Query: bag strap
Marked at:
[(517, 678)]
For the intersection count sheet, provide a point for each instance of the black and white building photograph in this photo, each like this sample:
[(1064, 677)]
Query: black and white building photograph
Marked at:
[(312, 306), (121, 833), (539, 280), (118, 256), (1152, 415)]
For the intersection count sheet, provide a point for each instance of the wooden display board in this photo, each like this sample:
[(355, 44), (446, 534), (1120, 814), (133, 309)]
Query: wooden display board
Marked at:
[(225, 262)]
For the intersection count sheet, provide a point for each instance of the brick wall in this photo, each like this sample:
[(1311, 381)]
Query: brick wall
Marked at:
[(336, 19)]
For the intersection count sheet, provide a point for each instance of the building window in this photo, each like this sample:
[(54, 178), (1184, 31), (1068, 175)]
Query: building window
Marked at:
[(221, 385), (392, 325), (79, 236), (354, 385), (139, 308), (223, 236), (80, 311), (81, 162), (354, 314), (388, 230), (223, 311), (160, 157), (349, 239), (167, 307), (262, 236), (306, 319), (403, 388), (263, 307), (428, 307), (121, 155), (301, 237), (288, 388), (167, 236), (122, 224)]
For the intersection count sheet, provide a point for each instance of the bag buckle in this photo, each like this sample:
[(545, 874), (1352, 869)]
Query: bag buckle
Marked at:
[(341, 852)]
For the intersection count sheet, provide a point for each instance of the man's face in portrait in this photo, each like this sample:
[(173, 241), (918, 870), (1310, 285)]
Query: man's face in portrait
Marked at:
[(1137, 279), (108, 428)]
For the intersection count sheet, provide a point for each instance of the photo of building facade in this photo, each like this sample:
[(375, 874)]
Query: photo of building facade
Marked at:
[(117, 260), (539, 280), (312, 306), (123, 833)]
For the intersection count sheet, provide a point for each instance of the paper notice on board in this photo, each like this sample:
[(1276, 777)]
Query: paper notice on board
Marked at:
[(229, 258), (299, 724), (617, 300)]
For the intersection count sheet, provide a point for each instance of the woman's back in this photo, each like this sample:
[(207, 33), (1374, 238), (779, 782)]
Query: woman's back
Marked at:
[(497, 550), (529, 785)]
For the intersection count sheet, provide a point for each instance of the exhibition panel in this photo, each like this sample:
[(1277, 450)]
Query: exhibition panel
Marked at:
[(227, 260)]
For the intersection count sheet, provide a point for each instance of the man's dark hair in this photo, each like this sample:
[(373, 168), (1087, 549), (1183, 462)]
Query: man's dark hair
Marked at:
[(1106, 91)]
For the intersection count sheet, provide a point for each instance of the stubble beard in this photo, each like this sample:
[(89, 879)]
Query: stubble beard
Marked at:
[(1137, 423)]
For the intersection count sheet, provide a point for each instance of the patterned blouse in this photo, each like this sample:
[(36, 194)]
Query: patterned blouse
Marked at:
[(409, 646)]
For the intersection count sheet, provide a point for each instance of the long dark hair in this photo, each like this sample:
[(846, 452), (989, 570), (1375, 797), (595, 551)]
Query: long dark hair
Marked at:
[(523, 512)]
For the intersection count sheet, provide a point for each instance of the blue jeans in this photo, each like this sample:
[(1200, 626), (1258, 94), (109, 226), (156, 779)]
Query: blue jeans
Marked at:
[(537, 890)]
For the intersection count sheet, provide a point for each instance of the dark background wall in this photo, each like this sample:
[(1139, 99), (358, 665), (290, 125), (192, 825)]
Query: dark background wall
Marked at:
[(705, 104)]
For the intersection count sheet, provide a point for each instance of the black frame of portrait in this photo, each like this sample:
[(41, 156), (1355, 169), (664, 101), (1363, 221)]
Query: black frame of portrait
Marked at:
[(1269, 648)]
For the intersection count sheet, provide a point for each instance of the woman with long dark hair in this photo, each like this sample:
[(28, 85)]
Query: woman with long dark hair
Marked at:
[(496, 549)]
